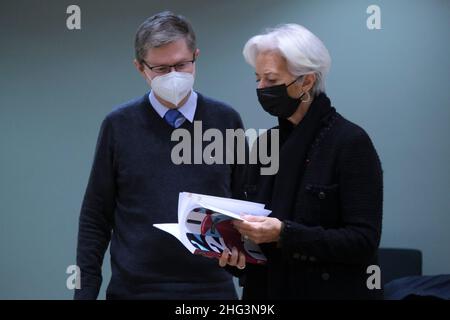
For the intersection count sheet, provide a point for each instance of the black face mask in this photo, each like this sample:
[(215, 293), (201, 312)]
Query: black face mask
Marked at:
[(276, 101)]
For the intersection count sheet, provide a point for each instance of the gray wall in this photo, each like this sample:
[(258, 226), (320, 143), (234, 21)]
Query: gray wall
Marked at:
[(57, 85)]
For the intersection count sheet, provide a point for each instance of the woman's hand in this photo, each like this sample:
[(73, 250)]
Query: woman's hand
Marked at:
[(233, 258), (259, 229)]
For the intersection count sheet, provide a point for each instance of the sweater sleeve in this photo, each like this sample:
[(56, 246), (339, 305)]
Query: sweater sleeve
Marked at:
[(238, 179), (96, 216), (239, 169), (361, 197)]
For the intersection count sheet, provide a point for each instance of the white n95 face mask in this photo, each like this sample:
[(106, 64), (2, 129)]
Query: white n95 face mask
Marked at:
[(174, 86)]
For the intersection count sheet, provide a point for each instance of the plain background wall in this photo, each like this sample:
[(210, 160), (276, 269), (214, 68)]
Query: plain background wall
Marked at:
[(57, 85)]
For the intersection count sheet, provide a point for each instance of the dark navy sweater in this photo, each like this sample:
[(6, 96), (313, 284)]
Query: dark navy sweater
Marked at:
[(134, 184)]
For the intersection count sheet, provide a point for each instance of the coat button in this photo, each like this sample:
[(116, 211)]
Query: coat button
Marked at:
[(296, 255), (322, 195), (325, 276)]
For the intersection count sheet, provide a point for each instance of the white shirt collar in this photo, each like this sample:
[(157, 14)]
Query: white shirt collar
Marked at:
[(187, 109)]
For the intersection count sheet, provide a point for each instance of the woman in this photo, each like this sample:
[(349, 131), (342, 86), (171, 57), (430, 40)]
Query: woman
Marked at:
[(326, 198)]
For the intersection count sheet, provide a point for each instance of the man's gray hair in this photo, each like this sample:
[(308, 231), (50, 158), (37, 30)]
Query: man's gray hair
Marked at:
[(303, 51), (161, 29)]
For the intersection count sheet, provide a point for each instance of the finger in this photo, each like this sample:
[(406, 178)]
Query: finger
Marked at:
[(248, 231), (246, 226), (246, 234), (241, 261), (251, 218), (223, 260), (234, 257), (246, 222), (239, 228), (237, 223)]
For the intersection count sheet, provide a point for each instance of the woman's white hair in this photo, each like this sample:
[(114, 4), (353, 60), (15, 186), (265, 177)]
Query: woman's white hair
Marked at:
[(303, 51)]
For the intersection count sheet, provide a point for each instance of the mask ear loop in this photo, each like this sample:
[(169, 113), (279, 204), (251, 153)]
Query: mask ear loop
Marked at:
[(294, 81), (306, 92)]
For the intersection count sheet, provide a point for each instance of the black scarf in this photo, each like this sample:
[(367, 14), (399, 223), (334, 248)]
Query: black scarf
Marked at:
[(279, 191)]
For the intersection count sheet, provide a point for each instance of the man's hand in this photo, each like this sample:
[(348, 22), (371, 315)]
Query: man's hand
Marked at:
[(259, 229), (233, 258)]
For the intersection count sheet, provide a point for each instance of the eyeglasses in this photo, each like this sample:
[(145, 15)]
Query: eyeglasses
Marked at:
[(181, 66)]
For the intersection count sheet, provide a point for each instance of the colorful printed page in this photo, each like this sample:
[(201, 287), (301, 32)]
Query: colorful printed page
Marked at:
[(205, 225)]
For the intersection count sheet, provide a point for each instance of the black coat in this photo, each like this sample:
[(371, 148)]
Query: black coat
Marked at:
[(333, 232)]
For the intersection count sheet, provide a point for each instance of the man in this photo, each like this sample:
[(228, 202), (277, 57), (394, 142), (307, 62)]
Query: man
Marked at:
[(134, 183)]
